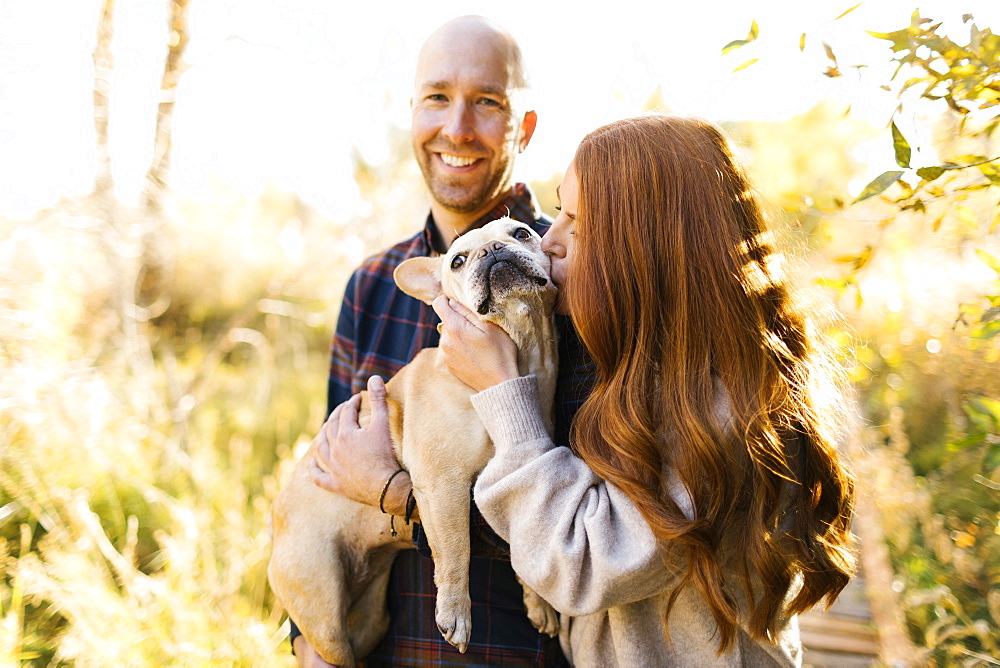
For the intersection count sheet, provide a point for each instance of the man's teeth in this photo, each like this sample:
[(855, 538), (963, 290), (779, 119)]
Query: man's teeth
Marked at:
[(455, 161)]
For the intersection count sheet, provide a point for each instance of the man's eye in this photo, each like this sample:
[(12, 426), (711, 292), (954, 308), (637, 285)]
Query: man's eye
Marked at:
[(522, 234), (490, 102), (457, 262), (437, 97)]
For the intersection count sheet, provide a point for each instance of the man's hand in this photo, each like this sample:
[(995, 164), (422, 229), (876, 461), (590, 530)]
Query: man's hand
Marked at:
[(306, 656), (478, 353), (356, 462)]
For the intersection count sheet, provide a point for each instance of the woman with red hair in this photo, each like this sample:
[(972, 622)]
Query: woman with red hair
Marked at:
[(701, 503)]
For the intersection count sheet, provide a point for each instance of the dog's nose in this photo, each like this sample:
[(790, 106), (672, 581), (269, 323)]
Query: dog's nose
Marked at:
[(489, 248)]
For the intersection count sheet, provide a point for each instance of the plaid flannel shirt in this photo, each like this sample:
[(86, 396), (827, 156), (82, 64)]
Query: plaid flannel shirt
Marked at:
[(380, 330)]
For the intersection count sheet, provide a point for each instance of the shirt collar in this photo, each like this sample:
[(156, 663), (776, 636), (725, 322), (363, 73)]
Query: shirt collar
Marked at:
[(519, 204)]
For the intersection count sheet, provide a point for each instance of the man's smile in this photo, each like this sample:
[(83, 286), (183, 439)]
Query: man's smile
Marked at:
[(457, 160)]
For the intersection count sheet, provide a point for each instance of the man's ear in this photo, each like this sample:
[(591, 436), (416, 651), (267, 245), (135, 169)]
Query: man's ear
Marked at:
[(419, 277), (527, 129)]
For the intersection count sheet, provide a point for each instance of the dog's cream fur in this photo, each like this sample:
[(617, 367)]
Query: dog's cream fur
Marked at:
[(331, 556)]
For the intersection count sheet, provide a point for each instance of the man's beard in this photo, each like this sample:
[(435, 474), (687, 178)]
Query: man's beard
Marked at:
[(459, 196), (462, 199)]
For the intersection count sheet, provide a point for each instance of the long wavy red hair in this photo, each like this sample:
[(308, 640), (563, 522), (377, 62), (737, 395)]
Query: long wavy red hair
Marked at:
[(706, 369)]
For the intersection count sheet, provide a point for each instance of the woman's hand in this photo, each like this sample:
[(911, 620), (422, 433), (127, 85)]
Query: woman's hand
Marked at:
[(356, 462), (306, 656), (478, 353)]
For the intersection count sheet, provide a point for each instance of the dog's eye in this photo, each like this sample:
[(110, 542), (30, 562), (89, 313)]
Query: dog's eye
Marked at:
[(522, 234), (457, 262)]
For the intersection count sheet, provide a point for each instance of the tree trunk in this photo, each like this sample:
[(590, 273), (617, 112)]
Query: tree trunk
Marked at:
[(103, 65), (159, 170), (886, 608)]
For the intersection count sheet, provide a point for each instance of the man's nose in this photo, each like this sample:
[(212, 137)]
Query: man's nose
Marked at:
[(458, 127)]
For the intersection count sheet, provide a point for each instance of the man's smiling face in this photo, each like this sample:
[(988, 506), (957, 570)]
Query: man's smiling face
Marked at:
[(465, 131)]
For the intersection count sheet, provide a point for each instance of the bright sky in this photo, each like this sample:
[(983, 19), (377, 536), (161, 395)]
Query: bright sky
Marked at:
[(281, 90)]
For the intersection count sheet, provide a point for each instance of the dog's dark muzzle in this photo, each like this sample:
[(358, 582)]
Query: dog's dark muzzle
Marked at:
[(503, 270)]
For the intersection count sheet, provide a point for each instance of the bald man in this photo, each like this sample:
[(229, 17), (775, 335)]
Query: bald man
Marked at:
[(469, 123)]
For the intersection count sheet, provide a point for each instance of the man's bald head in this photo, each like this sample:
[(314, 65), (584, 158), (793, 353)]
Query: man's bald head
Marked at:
[(471, 34)]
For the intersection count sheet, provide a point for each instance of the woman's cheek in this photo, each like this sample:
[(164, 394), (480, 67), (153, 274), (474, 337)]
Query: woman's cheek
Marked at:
[(562, 298)]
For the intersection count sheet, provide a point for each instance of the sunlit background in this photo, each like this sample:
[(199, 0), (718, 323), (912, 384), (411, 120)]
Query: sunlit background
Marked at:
[(163, 357), (283, 91)]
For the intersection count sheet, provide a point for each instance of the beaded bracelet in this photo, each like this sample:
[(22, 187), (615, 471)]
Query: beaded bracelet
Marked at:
[(381, 501), (411, 504)]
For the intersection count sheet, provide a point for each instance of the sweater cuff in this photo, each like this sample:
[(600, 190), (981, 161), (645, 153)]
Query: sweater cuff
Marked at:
[(511, 412)]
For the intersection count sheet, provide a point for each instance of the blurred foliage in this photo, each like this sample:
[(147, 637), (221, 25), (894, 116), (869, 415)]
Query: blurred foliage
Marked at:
[(944, 394), (158, 374), (912, 262)]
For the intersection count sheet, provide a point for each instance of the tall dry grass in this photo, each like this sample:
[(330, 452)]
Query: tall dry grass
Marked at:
[(158, 373)]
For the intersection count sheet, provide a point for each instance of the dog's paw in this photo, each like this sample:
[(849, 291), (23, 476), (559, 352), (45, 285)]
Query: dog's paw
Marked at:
[(454, 620), (541, 614), (545, 619)]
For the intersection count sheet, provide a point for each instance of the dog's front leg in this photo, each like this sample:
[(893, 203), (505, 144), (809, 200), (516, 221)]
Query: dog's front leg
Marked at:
[(444, 515)]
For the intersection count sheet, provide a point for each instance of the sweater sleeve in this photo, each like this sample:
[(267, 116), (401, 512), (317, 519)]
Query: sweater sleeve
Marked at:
[(574, 538)]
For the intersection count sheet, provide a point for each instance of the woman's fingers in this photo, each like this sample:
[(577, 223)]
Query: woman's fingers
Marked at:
[(453, 314)]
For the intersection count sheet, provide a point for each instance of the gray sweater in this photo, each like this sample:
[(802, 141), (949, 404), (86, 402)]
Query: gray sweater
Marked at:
[(581, 544)]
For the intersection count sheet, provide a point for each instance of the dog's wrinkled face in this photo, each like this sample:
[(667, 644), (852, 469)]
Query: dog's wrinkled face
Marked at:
[(487, 266), (486, 269)]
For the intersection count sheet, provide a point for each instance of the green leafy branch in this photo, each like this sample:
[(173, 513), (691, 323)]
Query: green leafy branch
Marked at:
[(967, 78)]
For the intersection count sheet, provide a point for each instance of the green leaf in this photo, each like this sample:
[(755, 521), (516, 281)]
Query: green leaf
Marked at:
[(859, 261), (849, 10), (968, 441), (900, 39), (989, 330), (829, 53), (838, 284), (930, 173), (990, 171), (746, 64), (735, 44), (984, 412), (901, 146), (962, 71), (990, 261), (879, 184)]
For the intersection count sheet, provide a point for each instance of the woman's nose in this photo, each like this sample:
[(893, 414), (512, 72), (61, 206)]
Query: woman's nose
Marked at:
[(551, 245)]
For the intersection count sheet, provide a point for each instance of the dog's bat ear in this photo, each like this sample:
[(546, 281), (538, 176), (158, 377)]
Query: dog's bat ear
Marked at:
[(419, 277)]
